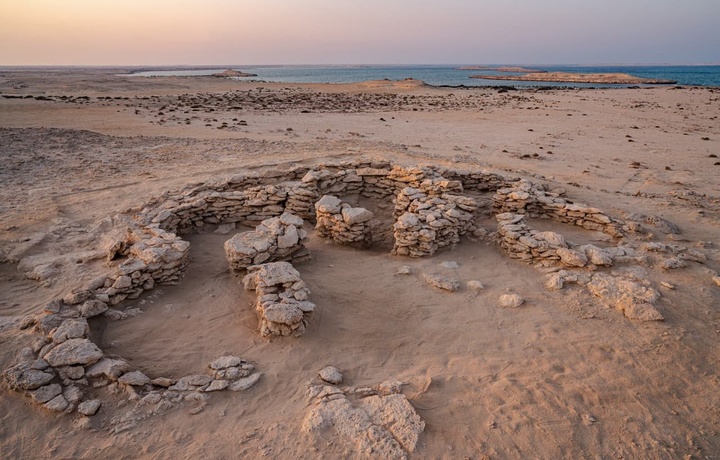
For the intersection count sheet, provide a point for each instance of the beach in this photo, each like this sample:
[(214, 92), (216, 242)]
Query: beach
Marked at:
[(566, 374)]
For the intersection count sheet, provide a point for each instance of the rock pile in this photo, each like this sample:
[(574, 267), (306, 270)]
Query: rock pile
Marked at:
[(277, 238), (282, 306), (525, 197), (430, 218), (546, 248), (63, 366), (342, 223), (373, 422), (634, 298)]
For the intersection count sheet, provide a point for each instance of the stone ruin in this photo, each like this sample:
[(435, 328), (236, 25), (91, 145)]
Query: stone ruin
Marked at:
[(429, 218), (277, 238), (433, 208), (282, 306), (343, 223)]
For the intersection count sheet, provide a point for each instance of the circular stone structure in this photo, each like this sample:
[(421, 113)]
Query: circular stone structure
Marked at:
[(433, 208)]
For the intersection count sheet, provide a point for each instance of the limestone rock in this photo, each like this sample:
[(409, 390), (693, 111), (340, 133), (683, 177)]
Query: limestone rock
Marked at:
[(442, 282), (110, 368), (245, 383), (328, 204), (46, 393), (331, 374), (510, 301), (57, 404), (92, 308), (217, 385), (90, 407), (224, 362), (572, 258), (283, 313), (277, 273), (73, 351), (353, 216), (635, 300), (71, 329), (376, 426), (22, 377), (476, 285), (135, 378), (404, 270)]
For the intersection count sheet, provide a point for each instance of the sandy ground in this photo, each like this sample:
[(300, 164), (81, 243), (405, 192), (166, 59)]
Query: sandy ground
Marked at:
[(563, 376)]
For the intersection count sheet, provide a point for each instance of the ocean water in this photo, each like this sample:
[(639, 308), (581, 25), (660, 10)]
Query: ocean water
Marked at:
[(447, 75)]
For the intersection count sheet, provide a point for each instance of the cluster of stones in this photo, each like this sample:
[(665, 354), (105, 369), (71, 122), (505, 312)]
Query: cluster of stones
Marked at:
[(277, 238), (63, 365), (431, 212), (430, 217), (522, 242), (375, 421), (527, 198), (343, 223), (153, 256), (282, 306)]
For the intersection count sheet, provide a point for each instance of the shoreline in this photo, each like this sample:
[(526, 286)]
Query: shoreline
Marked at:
[(590, 78)]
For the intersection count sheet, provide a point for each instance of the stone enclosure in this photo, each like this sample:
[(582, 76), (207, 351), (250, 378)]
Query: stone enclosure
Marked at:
[(432, 209)]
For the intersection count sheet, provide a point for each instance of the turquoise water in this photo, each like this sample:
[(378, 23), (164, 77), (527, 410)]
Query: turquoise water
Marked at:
[(447, 75)]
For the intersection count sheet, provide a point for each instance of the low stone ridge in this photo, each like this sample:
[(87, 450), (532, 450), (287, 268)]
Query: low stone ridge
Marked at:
[(277, 238), (282, 306), (430, 218), (547, 248), (373, 422), (527, 198), (343, 223)]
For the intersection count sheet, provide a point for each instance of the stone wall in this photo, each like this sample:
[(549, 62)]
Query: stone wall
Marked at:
[(278, 238), (343, 223), (282, 306), (525, 197), (522, 242), (428, 218)]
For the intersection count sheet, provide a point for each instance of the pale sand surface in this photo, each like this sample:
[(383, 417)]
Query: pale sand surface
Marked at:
[(563, 376)]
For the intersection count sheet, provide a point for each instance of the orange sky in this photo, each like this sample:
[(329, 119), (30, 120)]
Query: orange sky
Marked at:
[(156, 32)]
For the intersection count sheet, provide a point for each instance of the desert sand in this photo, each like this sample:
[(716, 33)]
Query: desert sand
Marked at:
[(563, 375)]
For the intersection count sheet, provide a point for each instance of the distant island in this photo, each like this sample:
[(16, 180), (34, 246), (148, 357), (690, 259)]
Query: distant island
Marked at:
[(501, 69), (233, 73), (566, 77)]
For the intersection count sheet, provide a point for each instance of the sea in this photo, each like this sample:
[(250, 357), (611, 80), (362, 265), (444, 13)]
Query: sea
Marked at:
[(443, 75)]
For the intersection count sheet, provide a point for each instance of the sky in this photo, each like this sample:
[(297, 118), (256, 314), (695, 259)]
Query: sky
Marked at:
[(207, 32)]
